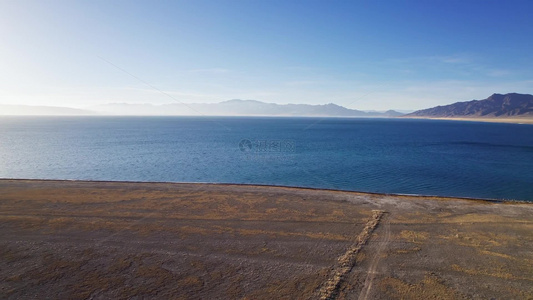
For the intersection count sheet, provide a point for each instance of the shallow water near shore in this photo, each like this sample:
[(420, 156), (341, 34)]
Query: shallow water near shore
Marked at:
[(429, 157)]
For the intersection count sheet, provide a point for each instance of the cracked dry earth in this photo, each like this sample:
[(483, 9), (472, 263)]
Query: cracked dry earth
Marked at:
[(116, 240)]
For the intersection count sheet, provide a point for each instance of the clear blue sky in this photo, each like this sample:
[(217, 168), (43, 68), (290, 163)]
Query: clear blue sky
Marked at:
[(359, 54)]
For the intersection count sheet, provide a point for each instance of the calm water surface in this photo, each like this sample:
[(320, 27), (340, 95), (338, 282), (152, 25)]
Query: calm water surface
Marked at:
[(448, 158)]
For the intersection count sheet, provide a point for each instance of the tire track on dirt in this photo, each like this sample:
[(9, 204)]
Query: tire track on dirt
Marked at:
[(330, 289), (371, 273)]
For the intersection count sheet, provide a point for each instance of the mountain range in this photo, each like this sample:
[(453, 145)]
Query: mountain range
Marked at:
[(497, 106), (239, 108), (510, 105), (226, 108)]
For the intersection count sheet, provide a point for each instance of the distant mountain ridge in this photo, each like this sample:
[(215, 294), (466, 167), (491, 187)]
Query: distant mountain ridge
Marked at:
[(234, 107), (510, 105), (28, 110), (238, 107)]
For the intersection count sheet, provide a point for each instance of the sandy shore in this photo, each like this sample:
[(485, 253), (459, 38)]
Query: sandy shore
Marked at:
[(490, 120), (102, 240)]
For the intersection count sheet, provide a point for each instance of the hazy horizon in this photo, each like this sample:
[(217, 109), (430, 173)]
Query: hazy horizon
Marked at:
[(233, 107)]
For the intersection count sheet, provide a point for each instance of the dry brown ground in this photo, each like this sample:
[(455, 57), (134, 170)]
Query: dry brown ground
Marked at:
[(102, 240)]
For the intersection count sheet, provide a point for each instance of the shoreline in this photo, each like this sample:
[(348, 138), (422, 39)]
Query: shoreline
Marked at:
[(226, 184), (524, 121)]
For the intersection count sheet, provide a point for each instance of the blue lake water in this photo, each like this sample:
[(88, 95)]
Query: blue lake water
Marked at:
[(430, 157)]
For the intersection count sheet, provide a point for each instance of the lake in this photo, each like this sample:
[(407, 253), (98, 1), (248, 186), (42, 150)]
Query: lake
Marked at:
[(428, 157)]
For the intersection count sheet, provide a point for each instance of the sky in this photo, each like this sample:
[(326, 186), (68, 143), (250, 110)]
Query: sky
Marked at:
[(369, 55)]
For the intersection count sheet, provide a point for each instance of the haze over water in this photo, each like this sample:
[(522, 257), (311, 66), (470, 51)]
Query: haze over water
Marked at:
[(430, 157)]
